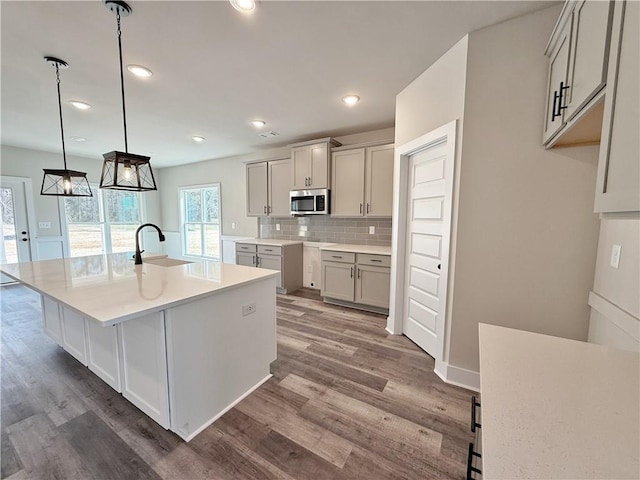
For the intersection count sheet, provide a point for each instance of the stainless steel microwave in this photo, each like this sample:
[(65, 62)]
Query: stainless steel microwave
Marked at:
[(309, 202)]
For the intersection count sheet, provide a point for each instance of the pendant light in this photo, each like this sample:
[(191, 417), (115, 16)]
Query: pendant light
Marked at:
[(66, 183), (124, 170)]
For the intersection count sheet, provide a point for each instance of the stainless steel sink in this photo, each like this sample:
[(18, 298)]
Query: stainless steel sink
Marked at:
[(165, 261)]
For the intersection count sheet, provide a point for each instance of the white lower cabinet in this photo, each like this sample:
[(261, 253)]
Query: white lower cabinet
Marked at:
[(357, 279), (74, 338), (144, 365), (51, 319), (103, 353)]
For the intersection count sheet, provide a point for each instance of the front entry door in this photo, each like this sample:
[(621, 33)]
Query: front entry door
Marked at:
[(429, 212), (15, 243)]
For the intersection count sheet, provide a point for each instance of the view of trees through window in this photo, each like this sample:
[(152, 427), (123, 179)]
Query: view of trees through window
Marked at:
[(201, 221), (104, 223)]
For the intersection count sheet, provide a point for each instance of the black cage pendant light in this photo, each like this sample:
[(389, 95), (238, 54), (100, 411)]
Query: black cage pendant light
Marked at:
[(66, 183), (124, 170)]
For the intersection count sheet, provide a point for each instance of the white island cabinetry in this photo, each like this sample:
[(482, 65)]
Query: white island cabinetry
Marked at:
[(183, 343)]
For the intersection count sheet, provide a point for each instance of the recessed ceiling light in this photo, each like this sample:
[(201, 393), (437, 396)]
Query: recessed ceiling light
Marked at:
[(197, 139), (79, 139), (258, 123), (139, 70), (80, 105), (350, 100), (244, 6)]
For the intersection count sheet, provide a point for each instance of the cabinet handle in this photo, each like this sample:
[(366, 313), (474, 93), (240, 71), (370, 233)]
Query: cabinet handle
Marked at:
[(474, 423), (470, 468), (264, 209), (257, 261), (253, 260), (336, 256), (555, 106), (375, 260), (557, 101), (351, 276), (268, 250), (360, 208), (358, 270), (368, 208)]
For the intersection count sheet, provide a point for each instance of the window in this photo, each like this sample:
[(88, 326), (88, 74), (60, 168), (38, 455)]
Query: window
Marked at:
[(104, 223), (201, 221)]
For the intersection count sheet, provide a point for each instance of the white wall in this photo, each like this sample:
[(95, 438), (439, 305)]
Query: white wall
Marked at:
[(525, 235), (24, 162), (230, 173)]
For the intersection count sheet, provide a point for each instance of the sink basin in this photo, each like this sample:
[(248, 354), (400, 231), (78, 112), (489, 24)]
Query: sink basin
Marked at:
[(165, 261)]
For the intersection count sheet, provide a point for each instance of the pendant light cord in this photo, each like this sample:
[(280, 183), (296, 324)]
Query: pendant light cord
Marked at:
[(124, 111), (64, 153)]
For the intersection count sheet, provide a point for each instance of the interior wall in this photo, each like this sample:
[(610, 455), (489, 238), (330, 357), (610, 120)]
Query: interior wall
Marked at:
[(527, 234), (25, 162), (230, 173)]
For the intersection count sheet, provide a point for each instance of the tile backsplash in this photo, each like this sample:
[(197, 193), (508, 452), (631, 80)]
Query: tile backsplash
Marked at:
[(323, 228)]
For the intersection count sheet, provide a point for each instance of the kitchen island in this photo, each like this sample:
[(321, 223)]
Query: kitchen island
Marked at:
[(184, 342)]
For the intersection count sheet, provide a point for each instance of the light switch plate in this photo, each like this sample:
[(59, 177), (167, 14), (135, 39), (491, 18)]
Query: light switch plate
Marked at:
[(615, 256)]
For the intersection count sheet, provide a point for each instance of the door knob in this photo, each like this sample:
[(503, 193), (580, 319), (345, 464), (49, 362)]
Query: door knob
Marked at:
[(23, 233), (439, 266), (25, 239)]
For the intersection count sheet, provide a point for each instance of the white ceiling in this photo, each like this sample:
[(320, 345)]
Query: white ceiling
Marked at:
[(215, 69)]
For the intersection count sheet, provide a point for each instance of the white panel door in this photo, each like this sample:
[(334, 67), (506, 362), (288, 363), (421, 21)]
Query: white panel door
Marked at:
[(430, 188), (15, 241)]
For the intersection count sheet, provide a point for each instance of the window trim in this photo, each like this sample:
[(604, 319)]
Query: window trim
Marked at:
[(106, 236), (183, 222)]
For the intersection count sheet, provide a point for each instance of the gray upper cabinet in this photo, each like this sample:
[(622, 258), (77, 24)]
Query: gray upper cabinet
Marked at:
[(618, 180), (578, 54), (362, 182), (310, 163), (268, 186)]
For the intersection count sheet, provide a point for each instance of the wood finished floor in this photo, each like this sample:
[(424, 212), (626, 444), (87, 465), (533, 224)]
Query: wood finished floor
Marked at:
[(346, 401)]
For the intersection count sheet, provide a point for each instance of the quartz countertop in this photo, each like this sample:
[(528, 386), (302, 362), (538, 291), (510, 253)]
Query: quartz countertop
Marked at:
[(111, 289), (272, 242), (370, 249), (557, 408)]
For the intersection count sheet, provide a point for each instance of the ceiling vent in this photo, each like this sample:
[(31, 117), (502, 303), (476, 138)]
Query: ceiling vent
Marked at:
[(268, 134)]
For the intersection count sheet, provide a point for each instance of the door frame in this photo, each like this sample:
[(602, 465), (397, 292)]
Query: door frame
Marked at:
[(31, 212), (400, 228)]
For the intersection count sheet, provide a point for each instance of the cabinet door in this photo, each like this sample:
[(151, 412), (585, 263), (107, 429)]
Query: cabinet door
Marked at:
[(589, 53), (51, 319), (73, 335), (379, 181), (618, 187), (319, 157), (279, 188), (246, 259), (144, 365), (257, 189), (372, 286), (300, 167), (103, 353), (338, 280), (558, 73), (347, 183), (272, 262)]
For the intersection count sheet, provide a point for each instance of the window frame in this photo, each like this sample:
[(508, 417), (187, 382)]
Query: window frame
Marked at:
[(183, 223), (104, 223)]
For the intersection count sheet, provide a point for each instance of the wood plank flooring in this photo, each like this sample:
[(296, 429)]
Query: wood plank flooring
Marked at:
[(347, 401)]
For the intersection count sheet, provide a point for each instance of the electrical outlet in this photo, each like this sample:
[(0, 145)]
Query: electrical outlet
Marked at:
[(277, 226), (615, 256), (233, 225), (303, 228), (372, 230), (248, 309), (44, 225)]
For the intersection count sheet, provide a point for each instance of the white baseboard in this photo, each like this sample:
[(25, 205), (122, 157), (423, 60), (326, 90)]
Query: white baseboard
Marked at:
[(457, 376)]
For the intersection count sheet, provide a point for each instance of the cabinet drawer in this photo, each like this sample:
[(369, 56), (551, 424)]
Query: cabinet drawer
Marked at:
[(379, 260), (245, 247), (269, 250), (346, 257)]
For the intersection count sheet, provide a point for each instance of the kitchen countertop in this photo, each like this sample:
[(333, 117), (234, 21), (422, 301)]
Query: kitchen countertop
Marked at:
[(557, 408), (370, 249), (111, 289), (272, 242)]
